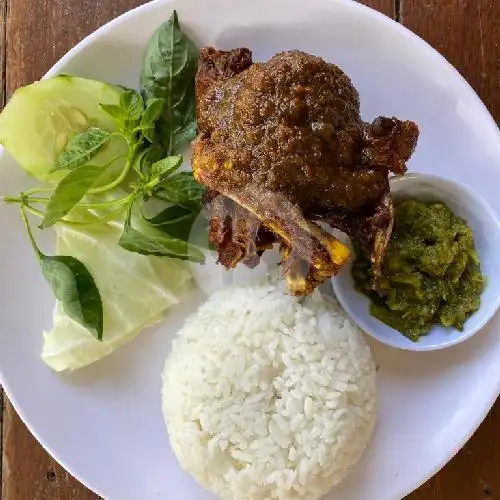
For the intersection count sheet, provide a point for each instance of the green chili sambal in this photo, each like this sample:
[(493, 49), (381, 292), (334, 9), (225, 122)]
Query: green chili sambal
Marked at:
[(431, 272)]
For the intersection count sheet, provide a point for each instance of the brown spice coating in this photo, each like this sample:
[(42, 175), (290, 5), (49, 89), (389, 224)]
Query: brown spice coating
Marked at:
[(215, 65), (292, 125)]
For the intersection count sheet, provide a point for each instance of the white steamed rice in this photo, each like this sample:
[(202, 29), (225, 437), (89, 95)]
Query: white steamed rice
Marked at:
[(267, 398)]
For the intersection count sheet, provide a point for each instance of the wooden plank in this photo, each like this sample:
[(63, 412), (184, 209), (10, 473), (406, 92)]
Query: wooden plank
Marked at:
[(387, 7), (29, 472), (467, 33), (473, 473), (38, 33), (3, 18)]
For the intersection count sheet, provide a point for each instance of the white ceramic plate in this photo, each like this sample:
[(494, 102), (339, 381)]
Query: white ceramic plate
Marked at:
[(104, 424)]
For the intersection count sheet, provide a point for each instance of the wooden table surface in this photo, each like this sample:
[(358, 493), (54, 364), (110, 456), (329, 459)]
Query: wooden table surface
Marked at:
[(34, 34)]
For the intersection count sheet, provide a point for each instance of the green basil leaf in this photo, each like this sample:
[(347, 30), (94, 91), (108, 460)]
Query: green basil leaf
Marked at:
[(168, 72), (185, 131), (128, 114), (152, 112), (82, 148), (182, 223), (141, 163), (180, 189), (150, 116), (132, 105), (147, 157), (115, 112), (165, 167), (69, 192), (157, 243), (171, 215), (161, 246), (184, 136), (74, 286), (176, 221), (149, 132)]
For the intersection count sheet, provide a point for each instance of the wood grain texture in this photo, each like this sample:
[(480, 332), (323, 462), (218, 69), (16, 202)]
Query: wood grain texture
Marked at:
[(3, 17), (39, 32), (387, 7), (467, 33), (474, 474), (28, 472)]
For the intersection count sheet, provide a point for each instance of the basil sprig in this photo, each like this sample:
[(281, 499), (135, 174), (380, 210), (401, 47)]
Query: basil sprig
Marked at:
[(155, 123), (168, 71), (73, 286)]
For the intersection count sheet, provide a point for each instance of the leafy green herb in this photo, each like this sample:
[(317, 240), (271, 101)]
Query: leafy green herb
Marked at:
[(149, 132), (162, 246), (127, 115), (73, 286), (181, 189), (132, 106), (186, 133), (147, 157), (155, 124), (69, 192), (168, 72), (82, 148), (156, 243), (115, 112), (150, 116), (176, 221), (164, 168), (171, 215)]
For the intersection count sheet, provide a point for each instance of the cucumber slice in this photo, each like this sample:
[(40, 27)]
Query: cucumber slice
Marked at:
[(41, 118)]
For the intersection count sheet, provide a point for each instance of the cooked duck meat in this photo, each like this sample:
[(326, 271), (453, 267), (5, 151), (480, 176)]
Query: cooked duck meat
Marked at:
[(238, 234), (371, 231), (285, 143), (305, 241)]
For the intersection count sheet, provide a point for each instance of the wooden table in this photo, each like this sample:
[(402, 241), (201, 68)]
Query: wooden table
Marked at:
[(36, 33)]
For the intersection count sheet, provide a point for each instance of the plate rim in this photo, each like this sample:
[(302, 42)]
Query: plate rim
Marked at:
[(490, 397)]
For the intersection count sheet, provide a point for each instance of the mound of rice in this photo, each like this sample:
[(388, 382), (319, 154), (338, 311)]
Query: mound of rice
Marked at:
[(267, 398)]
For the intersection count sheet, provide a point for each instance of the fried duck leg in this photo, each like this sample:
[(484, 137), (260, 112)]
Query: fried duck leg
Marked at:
[(280, 145), (311, 255)]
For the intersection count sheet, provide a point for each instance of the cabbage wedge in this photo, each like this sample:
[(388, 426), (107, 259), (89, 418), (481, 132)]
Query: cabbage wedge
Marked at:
[(136, 290)]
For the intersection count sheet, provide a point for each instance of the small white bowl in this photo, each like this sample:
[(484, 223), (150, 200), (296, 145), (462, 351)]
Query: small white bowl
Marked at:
[(466, 204)]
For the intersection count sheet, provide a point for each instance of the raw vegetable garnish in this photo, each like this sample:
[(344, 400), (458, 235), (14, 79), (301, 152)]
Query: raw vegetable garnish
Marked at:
[(148, 130), (72, 285), (168, 70)]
